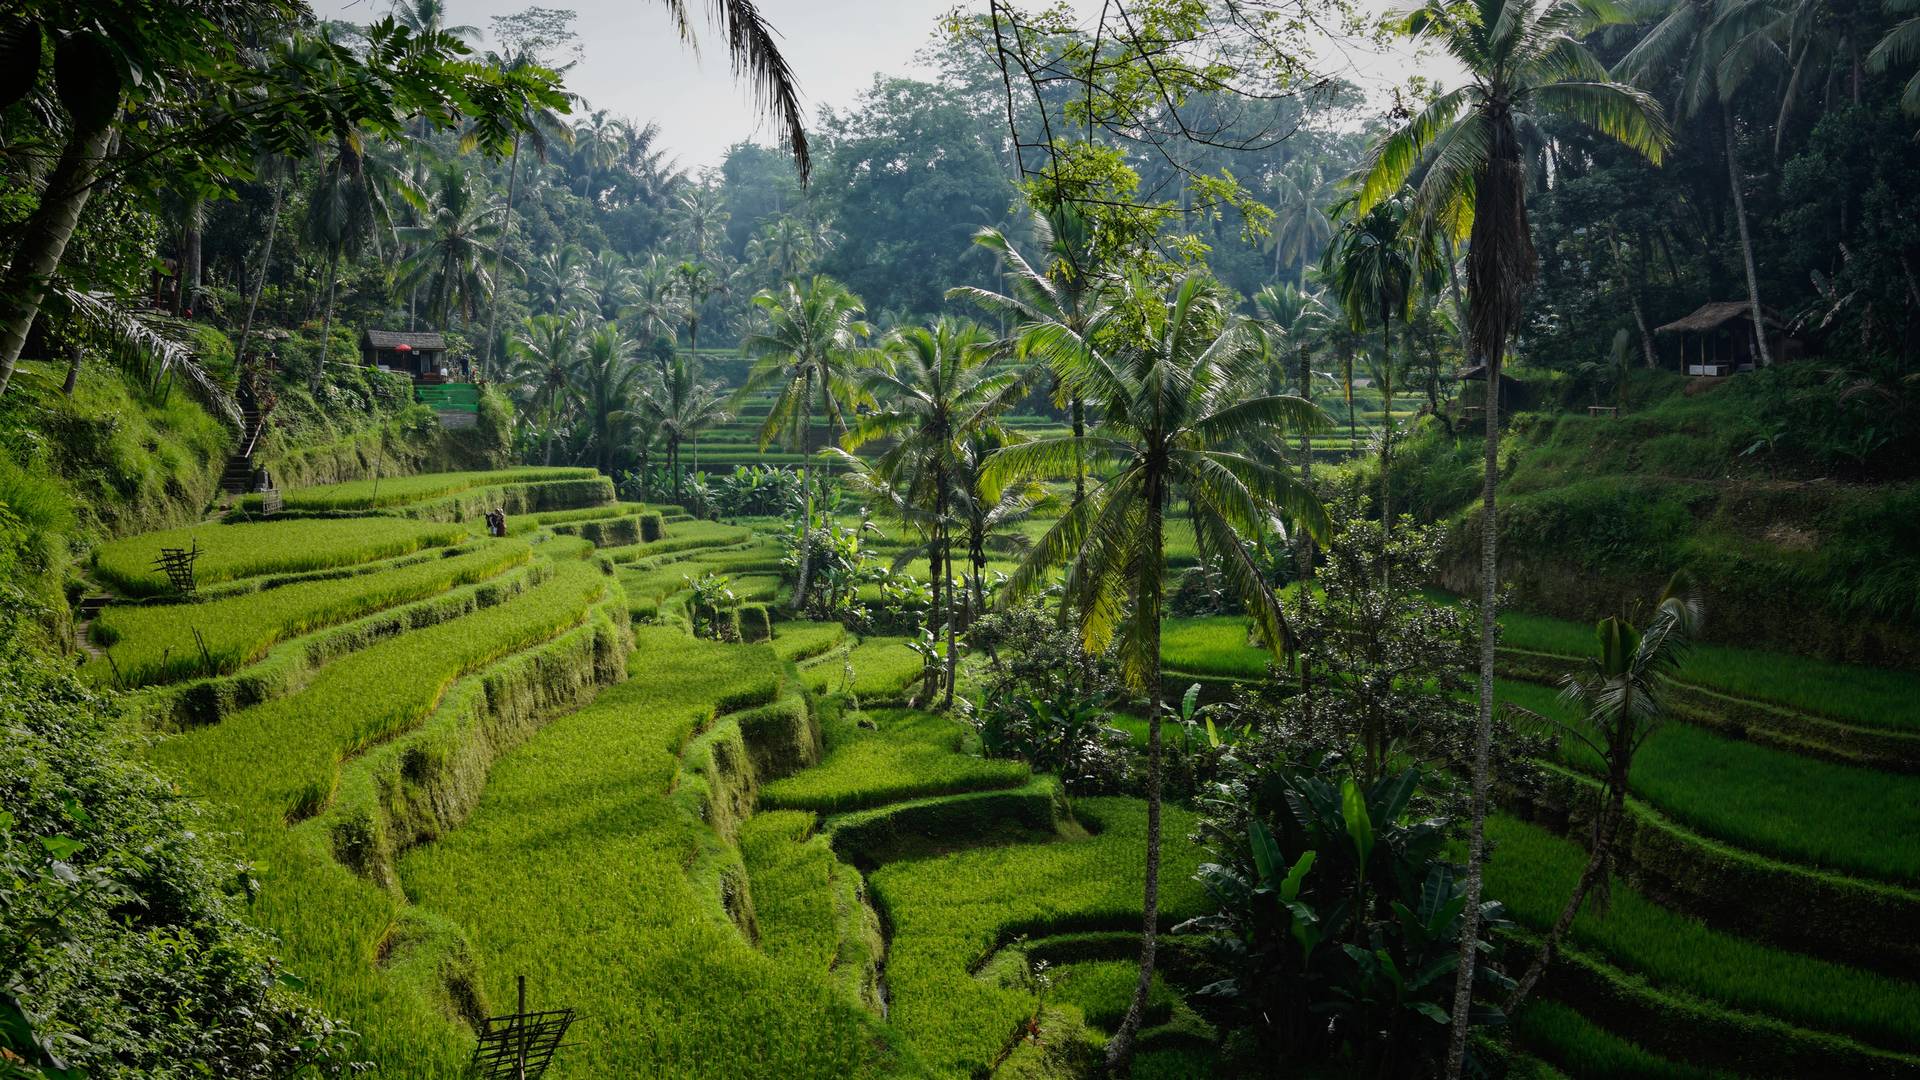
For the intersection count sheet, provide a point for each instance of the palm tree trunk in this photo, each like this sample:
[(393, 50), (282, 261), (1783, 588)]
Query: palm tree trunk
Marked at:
[(72, 380), (1147, 606), (326, 323), (1482, 728), (1459, 300), (1746, 241), (953, 642), (673, 463), (1079, 411), (190, 257), (1306, 543), (1604, 831), (266, 264), (806, 491), (1386, 442), (1353, 422), (44, 236), (500, 253)]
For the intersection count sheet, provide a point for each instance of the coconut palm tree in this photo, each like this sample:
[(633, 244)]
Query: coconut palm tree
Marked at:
[(349, 210), (539, 126), (544, 357), (1694, 50), (1372, 264), (1053, 304), (682, 407), (450, 249), (654, 302), (700, 219), (805, 350), (1300, 224), (986, 511), (1901, 46), (609, 382), (1525, 61), (1173, 404), (430, 17), (1621, 701), (697, 284), (609, 280), (557, 281), (935, 387), (784, 246)]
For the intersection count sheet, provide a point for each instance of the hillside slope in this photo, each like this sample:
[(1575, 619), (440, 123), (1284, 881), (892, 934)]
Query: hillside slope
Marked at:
[(1792, 505)]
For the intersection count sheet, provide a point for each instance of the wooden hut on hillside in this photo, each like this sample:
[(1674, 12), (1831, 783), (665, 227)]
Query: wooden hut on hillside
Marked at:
[(1718, 339), (1473, 392), (419, 353)]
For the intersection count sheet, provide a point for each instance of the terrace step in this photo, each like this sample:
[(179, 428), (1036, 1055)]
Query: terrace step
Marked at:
[(85, 611)]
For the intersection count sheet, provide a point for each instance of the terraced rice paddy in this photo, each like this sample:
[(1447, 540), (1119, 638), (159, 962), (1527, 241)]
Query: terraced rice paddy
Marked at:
[(161, 643), (232, 552), (455, 763), (1534, 871), (359, 495), (434, 816), (1827, 815), (1871, 697)]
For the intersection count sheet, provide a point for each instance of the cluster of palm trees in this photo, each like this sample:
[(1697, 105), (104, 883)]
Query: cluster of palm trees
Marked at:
[(438, 225), (584, 385), (1172, 409)]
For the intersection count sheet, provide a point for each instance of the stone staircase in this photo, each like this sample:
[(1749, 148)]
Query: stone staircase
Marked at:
[(238, 477), (85, 611)]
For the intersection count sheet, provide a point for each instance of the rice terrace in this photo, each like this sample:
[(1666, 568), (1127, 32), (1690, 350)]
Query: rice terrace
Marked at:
[(902, 539)]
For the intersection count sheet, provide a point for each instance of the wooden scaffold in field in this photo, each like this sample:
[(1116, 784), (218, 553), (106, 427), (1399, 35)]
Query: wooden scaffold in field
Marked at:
[(520, 1046), (178, 564)]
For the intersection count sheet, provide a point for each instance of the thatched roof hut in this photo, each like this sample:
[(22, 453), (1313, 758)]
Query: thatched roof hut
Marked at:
[(1718, 339)]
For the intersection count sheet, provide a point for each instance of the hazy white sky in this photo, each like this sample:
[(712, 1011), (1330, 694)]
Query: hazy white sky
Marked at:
[(634, 66)]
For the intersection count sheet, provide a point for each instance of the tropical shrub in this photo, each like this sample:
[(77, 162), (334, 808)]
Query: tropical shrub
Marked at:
[(114, 898), (1336, 921)]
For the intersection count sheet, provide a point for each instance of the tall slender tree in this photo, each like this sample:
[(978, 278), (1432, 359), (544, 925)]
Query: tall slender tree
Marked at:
[(804, 353), (450, 249), (1054, 304), (1525, 61), (936, 388), (1691, 49), (1621, 701), (1173, 408)]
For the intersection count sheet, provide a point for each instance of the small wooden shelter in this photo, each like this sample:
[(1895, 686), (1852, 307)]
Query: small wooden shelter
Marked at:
[(1510, 389), (421, 354), (1718, 339)]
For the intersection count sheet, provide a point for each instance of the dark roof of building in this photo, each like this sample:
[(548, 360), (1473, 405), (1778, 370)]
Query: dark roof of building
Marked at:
[(419, 339), (1717, 314)]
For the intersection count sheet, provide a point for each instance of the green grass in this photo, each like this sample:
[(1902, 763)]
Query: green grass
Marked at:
[(1583, 1048), (683, 536), (333, 923), (584, 859), (1212, 645), (284, 756), (949, 913), (1820, 813), (1103, 991), (402, 490), (792, 870), (911, 755), (156, 644), (883, 668), (231, 552), (802, 639), (1533, 871), (1872, 697), (595, 513)]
